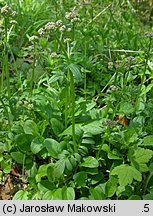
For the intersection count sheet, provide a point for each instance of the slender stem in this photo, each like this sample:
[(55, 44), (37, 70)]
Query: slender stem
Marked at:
[(72, 90), (6, 68), (85, 73), (147, 182), (33, 69)]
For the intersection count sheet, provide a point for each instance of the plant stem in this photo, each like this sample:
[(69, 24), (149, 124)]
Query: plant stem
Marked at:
[(5, 66), (72, 91), (147, 182), (85, 73), (33, 69)]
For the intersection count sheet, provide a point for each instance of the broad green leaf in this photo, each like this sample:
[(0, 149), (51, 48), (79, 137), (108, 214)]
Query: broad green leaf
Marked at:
[(48, 195), (111, 186), (59, 168), (134, 197), (50, 173), (19, 157), (68, 193), (141, 156), (57, 126), (80, 178), (17, 129), (148, 141), (97, 193), (148, 196), (68, 131), (94, 179), (57, 194), (126, 174), (83, 150), (93, 128), (105, 147), (89, 141), (45, 185), (36, 145), (23, 141), (42, 172), (53, 147), (126, 108), (68, 164), (30, 127), (147, 89), (21, 195), (73, 161), (6, 166), (113, 156), (90, 162)]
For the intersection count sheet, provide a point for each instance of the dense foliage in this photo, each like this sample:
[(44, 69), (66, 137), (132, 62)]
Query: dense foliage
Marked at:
[(76, 106)]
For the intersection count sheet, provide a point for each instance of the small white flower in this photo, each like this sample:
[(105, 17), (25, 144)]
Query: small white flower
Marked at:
[(53, 55), (41, 31), (13, 22), (14, 13), (5, 9), (33, 38), (110, 65), (69, 29), (59, 23), (66, 40), (75, 19), (30, 106), (25, 102), (62, 28), (50, 26)]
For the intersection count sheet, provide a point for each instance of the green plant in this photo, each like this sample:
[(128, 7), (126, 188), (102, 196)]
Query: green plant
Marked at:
[(76, 101)]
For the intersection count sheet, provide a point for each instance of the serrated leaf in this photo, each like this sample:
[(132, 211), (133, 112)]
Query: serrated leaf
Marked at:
[(126, 174), (148, 140), (141, 156), (90, 162)]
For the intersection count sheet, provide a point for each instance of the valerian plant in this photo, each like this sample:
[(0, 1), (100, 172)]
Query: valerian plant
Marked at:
[(76, 102)]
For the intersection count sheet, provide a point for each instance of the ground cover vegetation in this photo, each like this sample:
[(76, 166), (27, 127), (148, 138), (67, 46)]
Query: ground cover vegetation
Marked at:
[(76, 100)]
